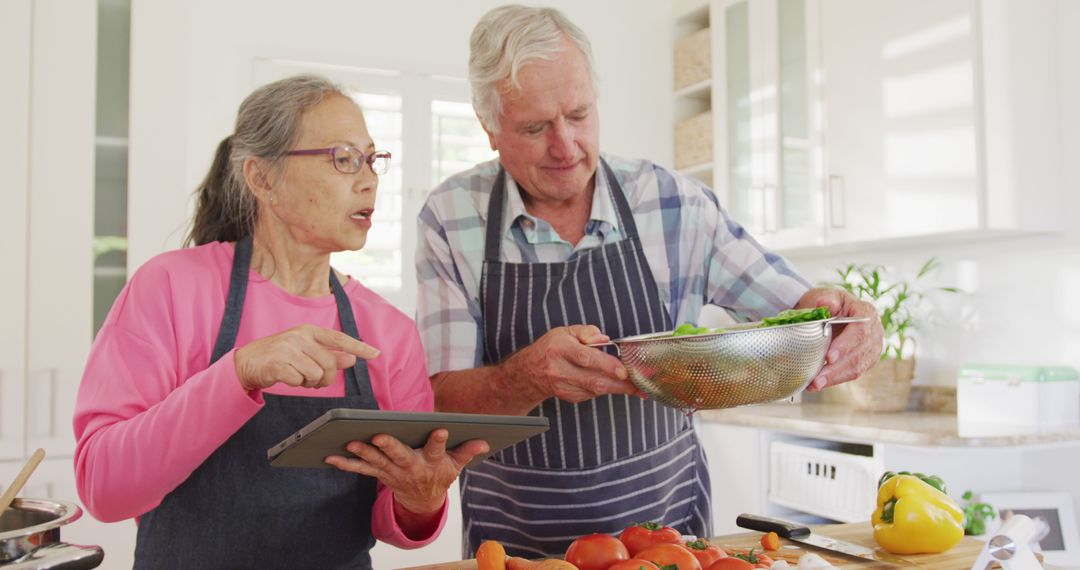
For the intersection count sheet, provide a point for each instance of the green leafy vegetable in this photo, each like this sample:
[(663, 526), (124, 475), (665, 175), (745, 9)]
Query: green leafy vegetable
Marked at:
[(975, 515), (787, 317), (687, 329), (791, 316)]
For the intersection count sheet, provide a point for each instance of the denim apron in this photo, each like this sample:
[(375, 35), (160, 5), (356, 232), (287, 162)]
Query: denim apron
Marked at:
[(607, 462), (236, 511)]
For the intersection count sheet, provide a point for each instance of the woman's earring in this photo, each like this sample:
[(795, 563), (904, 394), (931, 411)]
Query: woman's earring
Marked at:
[(273, 200)]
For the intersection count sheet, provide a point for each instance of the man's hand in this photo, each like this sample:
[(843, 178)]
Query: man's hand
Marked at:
[(560, 364), (856, 347)]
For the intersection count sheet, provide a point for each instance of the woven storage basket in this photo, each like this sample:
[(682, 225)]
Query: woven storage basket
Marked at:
[(693, 63), (883, 388), (694, 141)]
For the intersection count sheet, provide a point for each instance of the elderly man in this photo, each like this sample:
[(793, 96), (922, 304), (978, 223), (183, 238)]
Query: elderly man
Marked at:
[(523, 261)]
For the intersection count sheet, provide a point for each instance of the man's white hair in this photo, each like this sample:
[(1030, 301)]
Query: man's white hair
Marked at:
[(508, 38)]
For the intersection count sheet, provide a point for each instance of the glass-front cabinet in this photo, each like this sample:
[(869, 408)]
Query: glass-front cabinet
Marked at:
[(858, 123), (110, 155), (769, 144)]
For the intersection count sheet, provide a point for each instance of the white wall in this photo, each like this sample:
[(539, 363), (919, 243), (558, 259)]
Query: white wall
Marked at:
[(191, 68)]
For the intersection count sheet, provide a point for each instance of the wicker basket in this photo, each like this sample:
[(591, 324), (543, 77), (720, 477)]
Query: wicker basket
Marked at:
[(694, 141), (883, 388), (693, 64)]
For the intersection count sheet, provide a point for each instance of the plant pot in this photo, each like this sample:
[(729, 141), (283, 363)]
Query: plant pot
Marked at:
[(883, 388)]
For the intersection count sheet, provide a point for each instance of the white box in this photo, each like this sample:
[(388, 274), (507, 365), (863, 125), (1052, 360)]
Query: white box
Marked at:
[(823, 482), (1044, 397)]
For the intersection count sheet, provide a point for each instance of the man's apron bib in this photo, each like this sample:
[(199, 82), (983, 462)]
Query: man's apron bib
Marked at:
[(607, 462), (236, 511)]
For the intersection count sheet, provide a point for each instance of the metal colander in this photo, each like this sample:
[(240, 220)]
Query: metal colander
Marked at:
[(745, 364)]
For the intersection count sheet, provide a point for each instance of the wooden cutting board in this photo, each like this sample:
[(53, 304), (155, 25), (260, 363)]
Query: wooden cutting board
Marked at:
[(961, 557)]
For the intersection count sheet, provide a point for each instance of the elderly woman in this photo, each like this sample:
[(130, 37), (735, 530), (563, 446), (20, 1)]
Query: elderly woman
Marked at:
[(214, 353)]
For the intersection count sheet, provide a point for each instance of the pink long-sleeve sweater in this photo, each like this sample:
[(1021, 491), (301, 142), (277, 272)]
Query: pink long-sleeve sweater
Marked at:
[(150, 411)]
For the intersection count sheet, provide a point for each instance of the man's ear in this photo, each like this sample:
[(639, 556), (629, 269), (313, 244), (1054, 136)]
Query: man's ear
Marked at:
[(255, 176), (490, 135)]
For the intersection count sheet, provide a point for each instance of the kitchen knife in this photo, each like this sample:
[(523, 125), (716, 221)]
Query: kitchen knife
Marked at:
[(800, 533)]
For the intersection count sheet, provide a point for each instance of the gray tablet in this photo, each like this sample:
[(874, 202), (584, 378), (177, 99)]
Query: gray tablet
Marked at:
[(329, 433)]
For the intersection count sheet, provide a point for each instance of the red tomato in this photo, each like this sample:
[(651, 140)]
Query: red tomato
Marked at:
[(665, 554), (634, 564), (596, 552), (638, 537), (705, 553), (731, 564)]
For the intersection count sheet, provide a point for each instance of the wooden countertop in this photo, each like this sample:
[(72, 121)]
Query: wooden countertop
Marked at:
[(961, 557)]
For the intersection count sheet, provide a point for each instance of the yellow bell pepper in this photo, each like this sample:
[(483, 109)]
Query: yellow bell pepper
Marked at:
[(913, 517)]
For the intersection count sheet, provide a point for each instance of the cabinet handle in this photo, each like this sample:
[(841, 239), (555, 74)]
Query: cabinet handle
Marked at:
[(768, 210), (43, 403), (837, 203), (755, 209)]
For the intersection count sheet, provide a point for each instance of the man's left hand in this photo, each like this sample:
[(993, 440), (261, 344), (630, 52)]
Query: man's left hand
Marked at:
[(855, 348)]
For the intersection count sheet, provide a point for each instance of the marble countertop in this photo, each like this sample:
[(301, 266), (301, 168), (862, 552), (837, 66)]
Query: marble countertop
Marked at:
[(907, 428)]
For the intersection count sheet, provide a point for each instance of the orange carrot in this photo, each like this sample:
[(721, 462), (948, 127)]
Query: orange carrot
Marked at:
[(770, 541), (491, 556)]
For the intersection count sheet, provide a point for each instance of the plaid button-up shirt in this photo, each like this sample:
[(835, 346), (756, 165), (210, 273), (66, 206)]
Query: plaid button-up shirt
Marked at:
[(697, 254)]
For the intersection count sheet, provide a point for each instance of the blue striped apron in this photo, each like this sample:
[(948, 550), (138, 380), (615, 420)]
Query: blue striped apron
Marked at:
[(607, 462), (236, 511)]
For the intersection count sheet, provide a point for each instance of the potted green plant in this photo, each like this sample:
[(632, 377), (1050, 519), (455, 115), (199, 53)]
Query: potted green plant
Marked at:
[(886, 386)]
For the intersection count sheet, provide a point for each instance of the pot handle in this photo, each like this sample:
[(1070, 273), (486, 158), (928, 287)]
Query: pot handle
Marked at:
[(60, 556)]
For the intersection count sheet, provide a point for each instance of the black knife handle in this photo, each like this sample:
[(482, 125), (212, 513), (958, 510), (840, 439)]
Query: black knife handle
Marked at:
[(783, 528)]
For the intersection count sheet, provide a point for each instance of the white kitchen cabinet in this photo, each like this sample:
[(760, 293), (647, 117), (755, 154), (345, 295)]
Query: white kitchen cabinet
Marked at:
[(768, 141), (841, 122), (15, 20), (766, 138), (48, 155), (60, 222), (737, 457), (940, 118), (48, 49)]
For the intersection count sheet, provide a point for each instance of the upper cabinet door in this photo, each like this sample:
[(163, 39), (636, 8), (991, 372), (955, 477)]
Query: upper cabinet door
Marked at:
[(941, 118), (843, 122), (770, 145), (59, 302), (15, 24), (902, 112)]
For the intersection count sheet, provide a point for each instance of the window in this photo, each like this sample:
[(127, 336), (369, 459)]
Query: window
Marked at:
[(379, 264), (428, 124), (458, 142)]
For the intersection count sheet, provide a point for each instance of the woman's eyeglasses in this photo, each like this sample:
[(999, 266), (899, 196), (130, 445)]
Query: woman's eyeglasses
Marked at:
[(348, 160)]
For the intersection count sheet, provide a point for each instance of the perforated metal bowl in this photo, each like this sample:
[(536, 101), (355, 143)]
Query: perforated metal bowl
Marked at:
[(744, 365)]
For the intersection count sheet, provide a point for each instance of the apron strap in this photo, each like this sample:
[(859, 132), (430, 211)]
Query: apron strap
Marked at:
[(622, 206), (357, 379), (497, 205), (493, 231), (234, 303)]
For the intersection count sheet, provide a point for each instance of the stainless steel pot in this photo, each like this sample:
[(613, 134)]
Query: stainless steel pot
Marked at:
[(30, 537)]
